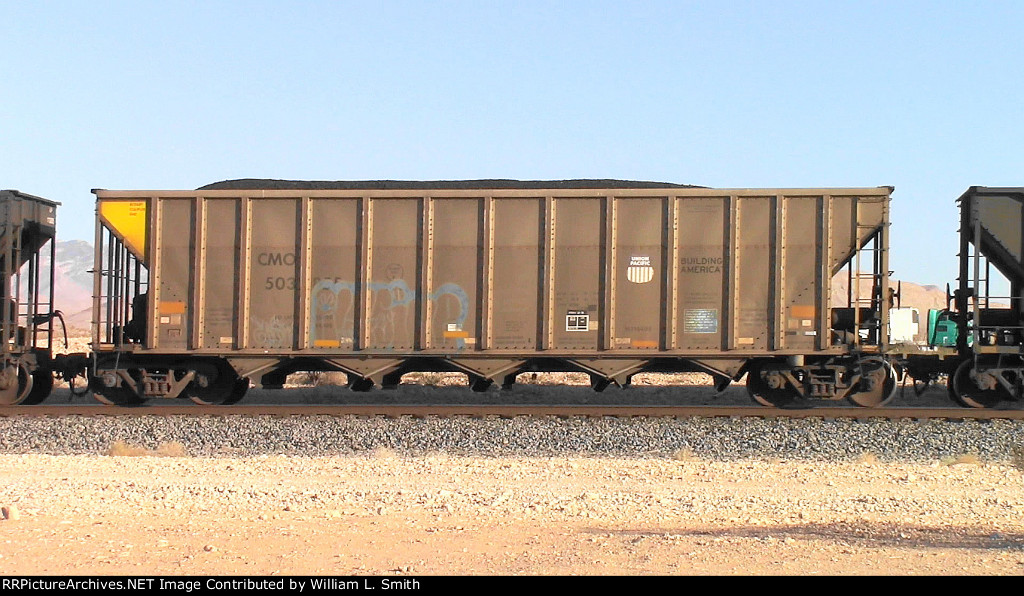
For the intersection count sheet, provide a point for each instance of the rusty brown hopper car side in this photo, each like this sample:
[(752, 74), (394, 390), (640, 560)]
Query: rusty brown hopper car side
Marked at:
[(195, 291)]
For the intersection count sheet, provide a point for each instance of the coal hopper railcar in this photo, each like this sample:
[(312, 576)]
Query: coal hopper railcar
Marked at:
[(198, 292)]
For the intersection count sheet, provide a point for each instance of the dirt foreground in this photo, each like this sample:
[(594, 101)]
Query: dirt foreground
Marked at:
[(385, 514)]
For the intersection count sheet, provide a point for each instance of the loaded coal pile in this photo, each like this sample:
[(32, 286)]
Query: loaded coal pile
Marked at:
[(267, 184)]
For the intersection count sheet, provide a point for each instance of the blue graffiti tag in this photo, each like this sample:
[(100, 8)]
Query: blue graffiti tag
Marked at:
[(389, 297)]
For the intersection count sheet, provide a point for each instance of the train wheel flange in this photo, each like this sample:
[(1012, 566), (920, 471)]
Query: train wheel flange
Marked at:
[(109, 389), (214, 383), (238, 391), (118, 396), (965, 390), (878, 384), (765, 388), (42, 385), (15, 385)]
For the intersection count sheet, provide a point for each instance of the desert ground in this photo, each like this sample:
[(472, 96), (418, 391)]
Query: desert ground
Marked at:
[(163, 512)]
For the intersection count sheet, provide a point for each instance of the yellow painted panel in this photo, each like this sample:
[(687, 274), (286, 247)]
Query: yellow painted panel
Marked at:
[(802, 311), (172, 308), (326, 343), (456, 334), (128, 220)]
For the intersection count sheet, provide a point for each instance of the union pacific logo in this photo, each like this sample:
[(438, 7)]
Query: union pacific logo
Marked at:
[(640, 270)]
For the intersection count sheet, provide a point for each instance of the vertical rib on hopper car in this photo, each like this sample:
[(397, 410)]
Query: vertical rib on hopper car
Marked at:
[(196, 291)]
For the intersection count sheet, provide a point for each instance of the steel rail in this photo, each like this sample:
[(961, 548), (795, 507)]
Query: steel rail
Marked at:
[(511, 411)]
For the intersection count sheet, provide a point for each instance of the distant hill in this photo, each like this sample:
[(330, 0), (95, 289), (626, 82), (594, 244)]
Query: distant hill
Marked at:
[(72, 282), (922, 297)]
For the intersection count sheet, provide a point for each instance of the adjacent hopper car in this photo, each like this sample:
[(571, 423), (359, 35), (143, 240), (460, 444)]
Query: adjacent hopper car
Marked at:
[(978, 343), (198, 293), (27, 234)]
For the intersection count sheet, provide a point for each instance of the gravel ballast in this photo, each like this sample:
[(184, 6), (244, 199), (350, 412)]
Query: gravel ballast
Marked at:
[(720, 439)]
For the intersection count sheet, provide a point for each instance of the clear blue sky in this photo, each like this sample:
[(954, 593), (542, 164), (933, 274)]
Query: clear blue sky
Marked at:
[(924, 96)]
